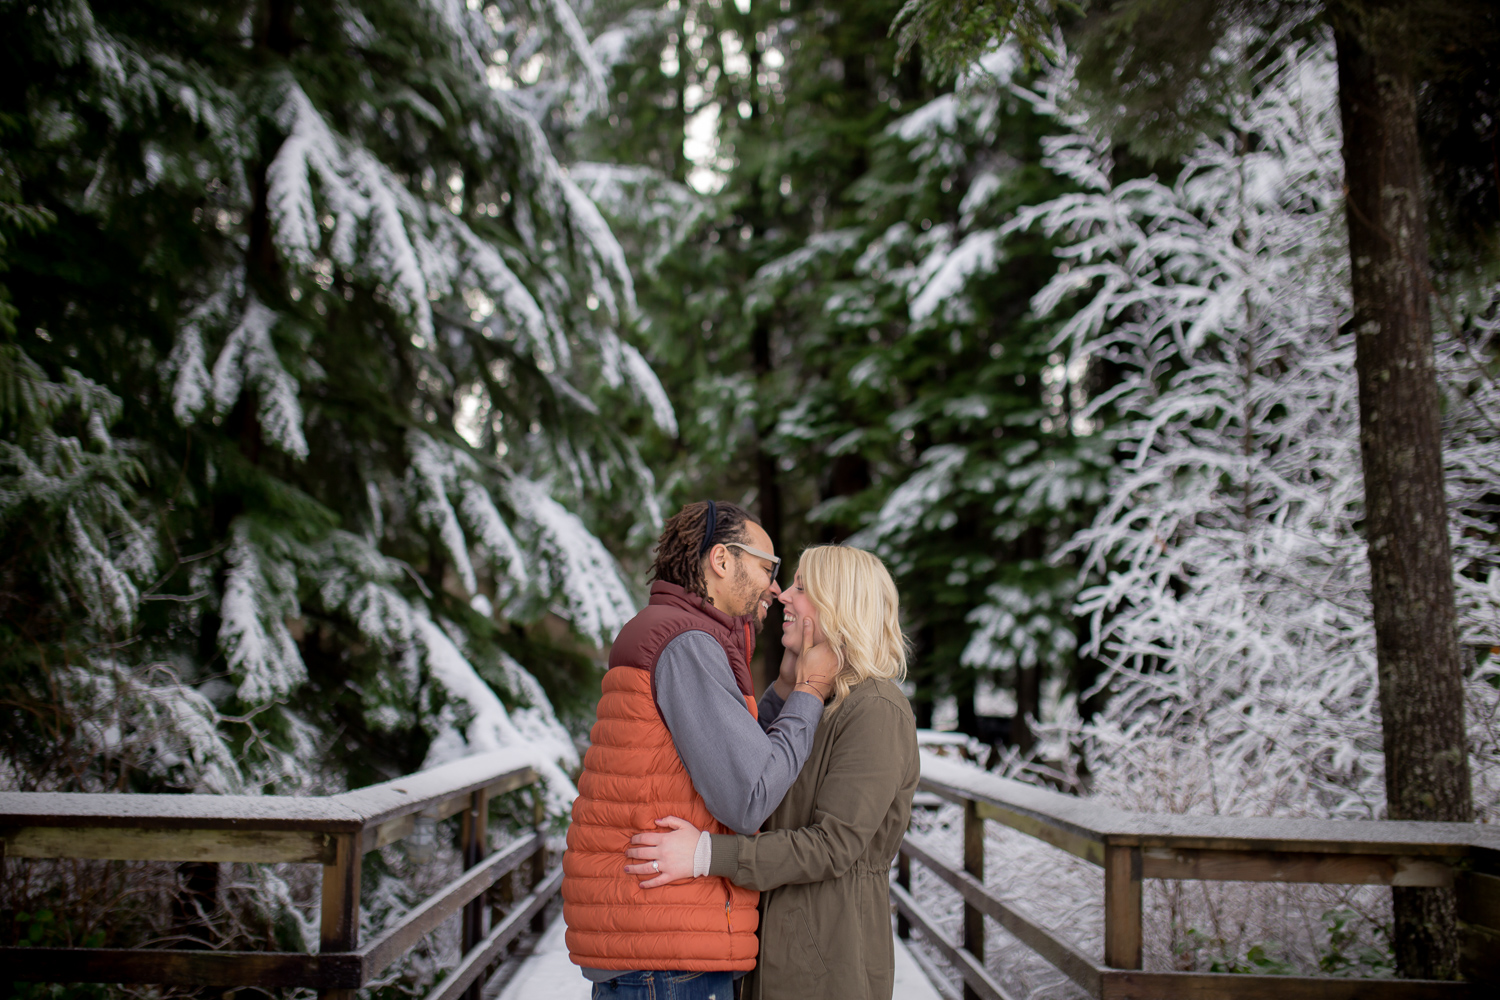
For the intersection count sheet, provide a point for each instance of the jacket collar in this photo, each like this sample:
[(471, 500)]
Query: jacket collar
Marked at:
[(672, 595)]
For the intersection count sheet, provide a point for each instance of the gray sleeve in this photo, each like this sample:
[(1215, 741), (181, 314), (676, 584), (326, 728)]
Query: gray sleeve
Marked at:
[(771, 704), (741, 772)]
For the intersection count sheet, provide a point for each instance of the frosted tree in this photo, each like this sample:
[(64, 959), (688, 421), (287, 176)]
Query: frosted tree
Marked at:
[(1409, 92), (1233, 605), (320, 399), (985, 460), (794, 211), (1468, 343), (1229, 542)]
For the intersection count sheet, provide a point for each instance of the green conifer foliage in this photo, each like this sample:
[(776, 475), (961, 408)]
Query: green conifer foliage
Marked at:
[(968, 422), (845, 331), (315, 403), (317, 398)]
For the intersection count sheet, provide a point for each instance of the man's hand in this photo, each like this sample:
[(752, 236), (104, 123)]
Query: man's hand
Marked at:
[(667, 856), (817, 666)]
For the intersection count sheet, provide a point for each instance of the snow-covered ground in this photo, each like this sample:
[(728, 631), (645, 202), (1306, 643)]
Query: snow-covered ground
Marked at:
[(548, 975)]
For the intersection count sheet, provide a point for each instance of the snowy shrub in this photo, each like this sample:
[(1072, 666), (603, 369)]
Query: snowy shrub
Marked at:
[(1228, 584), (1467, 344), (1235, 611), (1233, 606), (931, 403)]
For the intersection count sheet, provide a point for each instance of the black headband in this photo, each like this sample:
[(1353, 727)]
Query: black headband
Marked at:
[(710, 523)]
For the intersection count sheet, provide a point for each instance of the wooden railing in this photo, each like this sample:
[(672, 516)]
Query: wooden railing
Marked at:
[(1131, 847), (334, 831)]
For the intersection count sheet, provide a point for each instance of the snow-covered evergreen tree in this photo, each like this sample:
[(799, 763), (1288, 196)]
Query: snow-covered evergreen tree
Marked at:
[(1234, 567), (1236, 602), (986, 461), (811, 306), (318, 401), (1232, 604)]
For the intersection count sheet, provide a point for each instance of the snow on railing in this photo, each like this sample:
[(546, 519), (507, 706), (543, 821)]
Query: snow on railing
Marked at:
[(335, 831), (1133, 846)]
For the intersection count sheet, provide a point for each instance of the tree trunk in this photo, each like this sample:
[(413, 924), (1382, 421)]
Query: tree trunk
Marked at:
[(968, 713), (848, 474), (195, 904), (769, 494), (678, 114), (273, 40), (923, 702), (1028, 706), (1406, 520)]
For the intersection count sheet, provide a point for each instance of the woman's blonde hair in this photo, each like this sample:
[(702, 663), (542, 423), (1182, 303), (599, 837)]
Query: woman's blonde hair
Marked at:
[(859, 611)]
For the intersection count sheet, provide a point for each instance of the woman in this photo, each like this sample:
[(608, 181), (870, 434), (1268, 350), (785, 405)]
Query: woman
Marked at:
[(823, 860)]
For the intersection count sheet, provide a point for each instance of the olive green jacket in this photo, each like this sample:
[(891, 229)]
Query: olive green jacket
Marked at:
[(823, 858)]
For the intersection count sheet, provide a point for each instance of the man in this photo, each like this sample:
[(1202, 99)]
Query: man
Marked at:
[(677, 735)]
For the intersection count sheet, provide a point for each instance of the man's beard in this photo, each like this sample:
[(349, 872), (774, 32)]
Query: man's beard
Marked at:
[(750, 597)]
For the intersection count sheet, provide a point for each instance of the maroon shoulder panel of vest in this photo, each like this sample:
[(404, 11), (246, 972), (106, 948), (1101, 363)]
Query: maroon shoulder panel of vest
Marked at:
[(673, 611)]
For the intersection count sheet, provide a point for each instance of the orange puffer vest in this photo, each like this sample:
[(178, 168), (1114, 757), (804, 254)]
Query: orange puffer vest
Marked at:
[(632, 776)]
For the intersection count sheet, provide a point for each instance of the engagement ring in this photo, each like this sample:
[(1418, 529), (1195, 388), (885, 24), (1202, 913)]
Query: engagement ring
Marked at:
[(656, 866)]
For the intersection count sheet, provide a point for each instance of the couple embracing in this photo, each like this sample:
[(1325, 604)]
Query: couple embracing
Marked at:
[(723, 847)]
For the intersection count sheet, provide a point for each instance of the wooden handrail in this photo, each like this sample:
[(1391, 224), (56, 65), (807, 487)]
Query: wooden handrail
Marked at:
[(244, 827), (1132, 847), (1071, 816), (334, 831)]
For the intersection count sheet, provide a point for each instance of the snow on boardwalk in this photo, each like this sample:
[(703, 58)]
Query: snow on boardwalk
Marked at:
[(548, 975)]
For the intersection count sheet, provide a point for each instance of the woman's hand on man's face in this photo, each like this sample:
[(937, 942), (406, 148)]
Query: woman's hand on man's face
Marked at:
[(817, 665), (672, 852), (786, 680)]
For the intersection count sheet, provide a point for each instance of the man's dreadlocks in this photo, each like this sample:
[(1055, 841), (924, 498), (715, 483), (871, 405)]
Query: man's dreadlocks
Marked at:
[(683, 543)]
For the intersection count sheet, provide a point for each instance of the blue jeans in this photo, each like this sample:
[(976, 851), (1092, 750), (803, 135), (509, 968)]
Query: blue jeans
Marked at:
[(668, 986)]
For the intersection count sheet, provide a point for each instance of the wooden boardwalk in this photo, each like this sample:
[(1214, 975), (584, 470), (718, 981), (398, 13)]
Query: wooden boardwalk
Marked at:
[(548, 975)]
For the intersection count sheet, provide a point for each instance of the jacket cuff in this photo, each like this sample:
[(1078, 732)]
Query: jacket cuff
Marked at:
[(702, 854), (726, 856)]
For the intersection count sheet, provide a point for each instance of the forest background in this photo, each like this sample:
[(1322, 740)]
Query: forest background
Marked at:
[(353, 355)]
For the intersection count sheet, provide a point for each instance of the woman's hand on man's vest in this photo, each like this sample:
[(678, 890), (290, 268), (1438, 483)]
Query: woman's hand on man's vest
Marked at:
[(667, 857)]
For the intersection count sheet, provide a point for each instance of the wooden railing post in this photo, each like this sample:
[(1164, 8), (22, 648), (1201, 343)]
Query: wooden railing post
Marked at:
[(1122, 907), (339, 916), (473, 834), (903, 879), (974, 865), (539, 859)]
